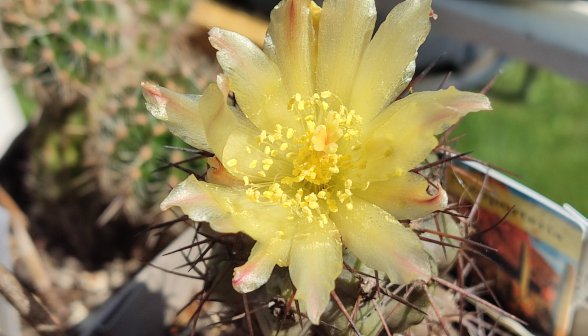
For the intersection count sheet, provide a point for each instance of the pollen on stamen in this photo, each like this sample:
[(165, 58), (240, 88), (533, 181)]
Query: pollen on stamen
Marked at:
[(289, 133)]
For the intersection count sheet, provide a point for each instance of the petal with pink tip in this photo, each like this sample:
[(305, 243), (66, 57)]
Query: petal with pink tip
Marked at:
[(382, 243), (255, 79), (406, 196), (179, 112), (228, 210), (403, 135), (388, 62), (258, 268), (194, 119), (315, 262)]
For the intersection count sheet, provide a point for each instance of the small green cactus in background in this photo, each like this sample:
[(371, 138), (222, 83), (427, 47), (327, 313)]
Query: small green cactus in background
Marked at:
[(81, 62)]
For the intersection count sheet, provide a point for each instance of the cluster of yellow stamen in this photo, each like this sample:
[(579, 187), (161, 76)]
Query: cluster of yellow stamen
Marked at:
[(317, 152)]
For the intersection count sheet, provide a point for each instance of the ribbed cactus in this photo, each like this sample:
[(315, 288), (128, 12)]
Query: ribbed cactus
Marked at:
[(82, 61), (94, 152)]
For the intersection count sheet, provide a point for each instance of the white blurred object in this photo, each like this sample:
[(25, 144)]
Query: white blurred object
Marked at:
[(9, 319), (12, 121)]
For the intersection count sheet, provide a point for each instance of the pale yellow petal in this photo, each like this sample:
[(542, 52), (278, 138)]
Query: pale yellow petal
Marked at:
[(382, 243), (255, 79), (181, 113), (388, 62), (218, 119), (292, 34), (315, 262), (258, 268), (346, 27), (403, 135), (228, 210), (406, 196), (243, 156), (194, 119)]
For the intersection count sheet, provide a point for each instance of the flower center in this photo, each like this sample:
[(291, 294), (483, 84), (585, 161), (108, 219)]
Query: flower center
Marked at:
[(319, 152)]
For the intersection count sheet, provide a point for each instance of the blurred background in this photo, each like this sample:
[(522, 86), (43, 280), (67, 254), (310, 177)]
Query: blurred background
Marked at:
[(88, 166)]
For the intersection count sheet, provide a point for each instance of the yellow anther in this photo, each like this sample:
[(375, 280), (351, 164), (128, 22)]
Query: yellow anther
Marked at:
[(267, 150), (332, 148), (248, 149), (334, 169), (253, 164), (326, 94), (246, 180), (274, 153), (261, 173), (301, 105), (284, 146), (348, 184), (349, 206), (308, 212), (332, 205), (289, 133), (232, 163)]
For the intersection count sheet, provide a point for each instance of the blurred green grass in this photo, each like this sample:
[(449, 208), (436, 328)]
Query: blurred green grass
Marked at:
[(539, 134)]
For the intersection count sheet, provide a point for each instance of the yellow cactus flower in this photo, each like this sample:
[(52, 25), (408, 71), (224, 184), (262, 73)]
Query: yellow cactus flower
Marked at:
[(314, 152)]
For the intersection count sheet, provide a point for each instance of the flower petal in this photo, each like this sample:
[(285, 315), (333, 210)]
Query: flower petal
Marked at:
[(405, 196), (194, 119), (346, 27), (292, 34), (388, 62), (315, 262), (258, 268), (382, 243), (228, 210), (242, 156), (403, 135), (180, 112), (254, 78)]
